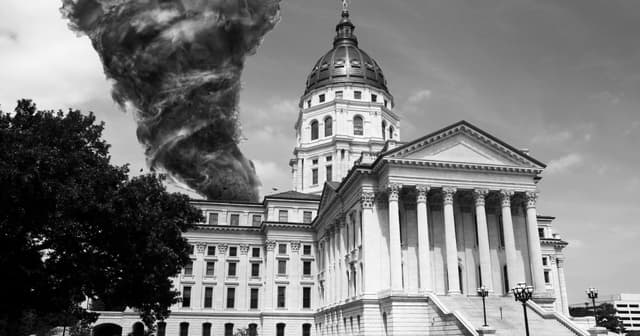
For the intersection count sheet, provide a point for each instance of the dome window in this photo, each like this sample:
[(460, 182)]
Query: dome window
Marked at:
[(324, 65), (321, 98), (358, 126), (355, 63), (314, 130), (340, 63), (357, 94), (328, 126), (390, 132), (339, 94), (374, 98), (384, 130)]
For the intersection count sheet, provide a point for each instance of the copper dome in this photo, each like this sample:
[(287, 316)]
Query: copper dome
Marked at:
[(346, 63)]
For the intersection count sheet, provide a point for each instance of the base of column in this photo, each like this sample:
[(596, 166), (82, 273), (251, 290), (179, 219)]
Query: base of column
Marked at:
[(597, 331), (454, 293), (543, 299), (486, 331)]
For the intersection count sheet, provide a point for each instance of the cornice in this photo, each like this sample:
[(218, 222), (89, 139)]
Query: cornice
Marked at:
[(287, 226), (554, 242), (461, 166), (227, 228)]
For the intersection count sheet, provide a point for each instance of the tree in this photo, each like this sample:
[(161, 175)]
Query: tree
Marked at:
[(74, 226), (607, 317)]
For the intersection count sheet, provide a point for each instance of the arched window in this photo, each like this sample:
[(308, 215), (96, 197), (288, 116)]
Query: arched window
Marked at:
[(206, 329), (253, 329), (162, 329), (506, 279), (357, 126), (390, 132), (228, 329), (184, 329), (384, 130), (314, 130), (138, 329), (328, 126), (280, 329), (306, 329), (460, 279)]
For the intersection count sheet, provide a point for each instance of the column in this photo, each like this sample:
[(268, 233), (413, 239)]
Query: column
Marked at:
[(483, 239), (369, 246), (294, 291), (395, 249), (269, 275), (562, 286), (218, 290), (509, 239), (343, 266), (336, 262), (329, 267), (535, 253), (450, 240), (243, 272), (424, 254)]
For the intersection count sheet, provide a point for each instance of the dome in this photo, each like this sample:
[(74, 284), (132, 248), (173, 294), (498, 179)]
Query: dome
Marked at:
[(346, 63)]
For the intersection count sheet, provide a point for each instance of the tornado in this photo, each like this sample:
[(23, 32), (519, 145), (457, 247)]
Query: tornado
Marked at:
[(177, 64)]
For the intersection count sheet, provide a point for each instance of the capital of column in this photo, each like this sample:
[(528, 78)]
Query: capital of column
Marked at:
[(505, 198), (560, 262), (222, 248), (201, 247), (271, 245), (531, 197), (244, 249), (447, 195), (479, 196), (422, 193), (367, 199), (394, 191), (295, 245)]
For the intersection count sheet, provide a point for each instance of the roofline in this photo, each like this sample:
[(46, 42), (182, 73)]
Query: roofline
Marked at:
[(205, 201)]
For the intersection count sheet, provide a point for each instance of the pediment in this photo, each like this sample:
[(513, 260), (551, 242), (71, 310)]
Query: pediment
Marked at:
[(463, 144)]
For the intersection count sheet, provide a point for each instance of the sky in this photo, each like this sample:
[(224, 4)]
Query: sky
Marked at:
[(559, 77)]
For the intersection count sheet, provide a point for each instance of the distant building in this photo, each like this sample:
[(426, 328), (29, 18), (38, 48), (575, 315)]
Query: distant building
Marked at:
[(628, 310)]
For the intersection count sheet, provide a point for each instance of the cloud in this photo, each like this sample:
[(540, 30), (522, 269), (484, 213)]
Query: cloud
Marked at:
[(632, 128), (272, 176), (558, 137), (564, 163), (419, 96), (8, 36)]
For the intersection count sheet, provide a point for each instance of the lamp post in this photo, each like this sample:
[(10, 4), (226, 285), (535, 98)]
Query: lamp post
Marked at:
[(592, 293), (483, 292), (522, 292)]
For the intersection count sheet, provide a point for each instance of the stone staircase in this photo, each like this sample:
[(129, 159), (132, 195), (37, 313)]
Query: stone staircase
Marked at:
[(511, 321)]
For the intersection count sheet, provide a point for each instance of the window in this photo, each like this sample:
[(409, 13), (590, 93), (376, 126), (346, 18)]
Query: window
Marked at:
[(314, 176), (390, 132), (210, 270), (255, 252), (280, 329), (329, 171), (357, 94), (184, 329), (228, 329), (545, 261), (357, 126), (256, 220), (282, 267), (541, 232), (314, 162), (282, 248), (506, 279), (188, 269), (547, 278), (234, 220), (231, 297), (186, 296), (192, 249), (283, 215), (384, 130), (374, 98), (328, 126), (306, 268), (306, 329), (306, 249), (255, 269), (282, 296), (309, 103), (339, 94), (328, 158), (253, 304), (386, 103), (162, 329), (232, 269), (208, 297), (321, 98), (314, 130), (306, 297), (206, 329), (253, 329), (213, 218), (233, 251), (306, 216), (211, 250)]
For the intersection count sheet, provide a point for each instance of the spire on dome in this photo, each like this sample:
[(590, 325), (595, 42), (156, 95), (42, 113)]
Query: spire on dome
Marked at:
[(344, 29)]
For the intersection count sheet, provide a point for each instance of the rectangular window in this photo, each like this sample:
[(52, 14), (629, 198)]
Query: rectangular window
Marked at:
[(328, 158), (256, 220), (211, 250), (306, 216), (282, 248), (211, 269), (309, 103), (314, 176), (162, 329), (255, 270), (188, 268), (234, 220), (206, 329), (228, 329), (339, 94), (184, 329), (541, 232), (306, 297), (213, 218), (231, 297), (253, 304), (306, 249), (282, 292), (192, 249), (545, 261), (306, 268), (314, 162), (321, 98), (233, 251), (255, 252), (547, 278), (386, 103), (329, 171), (357, 94), (374, 98), (232, 269), (208, 297), (283, 216), (282, 267), (186, 296)]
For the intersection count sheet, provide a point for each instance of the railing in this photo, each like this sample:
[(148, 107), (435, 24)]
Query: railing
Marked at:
[(558, 317), (461, 320)]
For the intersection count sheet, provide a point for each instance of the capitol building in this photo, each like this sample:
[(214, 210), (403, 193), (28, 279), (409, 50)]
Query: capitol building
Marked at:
[(379, 235)]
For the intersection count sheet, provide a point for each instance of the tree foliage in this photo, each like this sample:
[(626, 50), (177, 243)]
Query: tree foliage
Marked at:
[(606, 315), (74, 226)]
